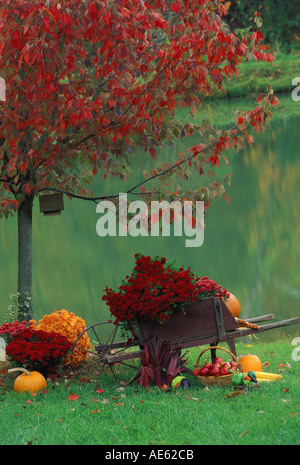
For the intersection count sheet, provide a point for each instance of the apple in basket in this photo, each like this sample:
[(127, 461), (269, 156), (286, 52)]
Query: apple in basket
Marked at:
[(226, 365), (214, 370), (224, 371), (233, 366), (204, 371)]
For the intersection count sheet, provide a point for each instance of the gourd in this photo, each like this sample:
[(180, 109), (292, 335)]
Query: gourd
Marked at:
[(264, 376), (31, 381), (233, 305), (251, 362)]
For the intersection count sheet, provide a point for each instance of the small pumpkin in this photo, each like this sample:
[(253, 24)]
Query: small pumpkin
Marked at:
[(251, 363), (233, 305), (31, 381)]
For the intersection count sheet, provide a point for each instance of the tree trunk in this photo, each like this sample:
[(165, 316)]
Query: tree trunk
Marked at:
[(25, 311)]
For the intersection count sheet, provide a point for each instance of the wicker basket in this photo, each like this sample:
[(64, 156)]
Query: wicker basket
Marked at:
[(216, 380)]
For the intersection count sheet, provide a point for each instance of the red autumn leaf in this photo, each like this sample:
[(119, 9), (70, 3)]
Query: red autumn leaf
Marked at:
[(175, 7), (94, 411), (73, 397), (99, 391)]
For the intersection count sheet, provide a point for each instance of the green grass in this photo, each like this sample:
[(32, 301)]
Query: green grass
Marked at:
[(135, 416), (256, 76)]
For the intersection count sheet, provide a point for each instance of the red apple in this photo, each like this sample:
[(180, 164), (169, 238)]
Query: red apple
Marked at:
[(226, 365), (214, 371), (203, 371), (206, 365), (233, 363), (224, 371), (218, 360)]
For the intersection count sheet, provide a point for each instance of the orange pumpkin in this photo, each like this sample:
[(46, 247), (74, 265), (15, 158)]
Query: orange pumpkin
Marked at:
[(233, 305), (31, 381), (251, 362)]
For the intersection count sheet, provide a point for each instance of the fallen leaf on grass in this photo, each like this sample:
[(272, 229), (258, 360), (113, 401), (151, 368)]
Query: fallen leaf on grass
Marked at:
[(234, 394), (266, 364), (242, 434), (120, 403), (99, 391), (284, 365), (94, 411), (73, 396)]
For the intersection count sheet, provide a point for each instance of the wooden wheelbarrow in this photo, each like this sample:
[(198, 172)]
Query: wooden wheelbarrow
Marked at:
[(206, 321)]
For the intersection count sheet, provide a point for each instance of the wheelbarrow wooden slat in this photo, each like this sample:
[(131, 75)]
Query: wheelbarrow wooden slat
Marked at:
[(249, 331), (268, 326), (257, 319)]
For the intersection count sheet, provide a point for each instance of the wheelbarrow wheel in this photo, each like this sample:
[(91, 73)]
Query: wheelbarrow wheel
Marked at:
[(109, 354)]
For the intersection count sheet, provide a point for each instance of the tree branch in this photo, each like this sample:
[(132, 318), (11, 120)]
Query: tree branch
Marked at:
[(131, 191)]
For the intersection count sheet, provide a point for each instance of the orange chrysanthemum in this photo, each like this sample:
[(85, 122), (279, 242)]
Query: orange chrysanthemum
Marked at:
[(70, 326)]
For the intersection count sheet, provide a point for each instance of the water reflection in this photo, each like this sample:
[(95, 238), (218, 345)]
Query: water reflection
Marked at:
[(251, 246)]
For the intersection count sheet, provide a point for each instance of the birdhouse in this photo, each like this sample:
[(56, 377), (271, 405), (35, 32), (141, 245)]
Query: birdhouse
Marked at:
[(51, 204)]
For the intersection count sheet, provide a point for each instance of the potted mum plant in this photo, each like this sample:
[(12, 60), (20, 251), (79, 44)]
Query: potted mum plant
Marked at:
[(156, 296), (38, 350)]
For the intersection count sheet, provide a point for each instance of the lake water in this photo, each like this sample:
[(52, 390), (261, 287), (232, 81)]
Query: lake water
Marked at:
[(251, 245)]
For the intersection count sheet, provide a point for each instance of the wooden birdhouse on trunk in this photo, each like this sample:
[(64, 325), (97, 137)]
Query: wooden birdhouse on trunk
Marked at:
[(51, 204)]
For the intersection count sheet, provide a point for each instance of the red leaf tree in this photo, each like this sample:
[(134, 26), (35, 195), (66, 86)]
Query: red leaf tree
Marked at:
[(88, 82)]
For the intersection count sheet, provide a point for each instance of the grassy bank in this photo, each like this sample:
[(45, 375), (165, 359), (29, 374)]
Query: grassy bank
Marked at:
[(256, 76), (116, 415), (242, 91)]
